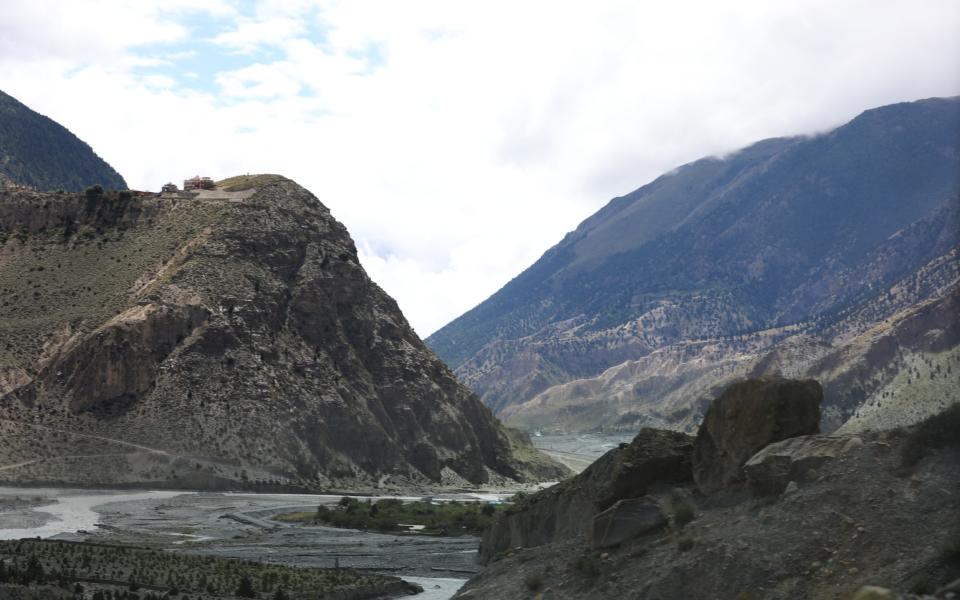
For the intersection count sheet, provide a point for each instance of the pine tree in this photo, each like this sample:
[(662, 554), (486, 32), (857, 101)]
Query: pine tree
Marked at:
[(245, 589)]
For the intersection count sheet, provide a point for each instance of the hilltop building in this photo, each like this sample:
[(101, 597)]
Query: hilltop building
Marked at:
[(169, 187), (198, 183)]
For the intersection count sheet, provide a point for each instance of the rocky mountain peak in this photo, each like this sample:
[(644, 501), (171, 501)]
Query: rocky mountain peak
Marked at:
[(216, 336)]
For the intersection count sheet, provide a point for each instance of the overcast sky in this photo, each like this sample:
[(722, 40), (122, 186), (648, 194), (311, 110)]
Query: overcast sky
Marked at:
[(459, 140)]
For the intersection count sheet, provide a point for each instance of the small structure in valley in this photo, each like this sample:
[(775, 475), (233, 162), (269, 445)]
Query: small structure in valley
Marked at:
[(198, 183)]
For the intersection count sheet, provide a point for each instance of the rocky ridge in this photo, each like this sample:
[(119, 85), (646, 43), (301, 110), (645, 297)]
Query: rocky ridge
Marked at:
[(224, 338)]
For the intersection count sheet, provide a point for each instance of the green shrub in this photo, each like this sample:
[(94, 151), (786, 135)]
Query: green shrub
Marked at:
[(951, 549), (683, 511), (448, 518), (94, 191), (588, 565), (533, 581), (923, 586), (245, 589)]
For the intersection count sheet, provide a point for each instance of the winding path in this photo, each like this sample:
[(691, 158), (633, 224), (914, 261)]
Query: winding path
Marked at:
[(83, 435)]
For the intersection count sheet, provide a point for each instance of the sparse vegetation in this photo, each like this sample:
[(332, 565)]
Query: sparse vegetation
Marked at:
[(685, 544), (245, 182), (939, 431), (94, 571), (447, 518)]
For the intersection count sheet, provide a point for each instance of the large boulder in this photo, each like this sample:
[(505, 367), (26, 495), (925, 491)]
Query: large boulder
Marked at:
[(747, 416), (566, 509), (625, 520), (795, 459)]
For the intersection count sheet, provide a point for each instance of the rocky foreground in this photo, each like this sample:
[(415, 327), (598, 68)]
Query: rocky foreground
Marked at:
[(758, 505), (221, 339)]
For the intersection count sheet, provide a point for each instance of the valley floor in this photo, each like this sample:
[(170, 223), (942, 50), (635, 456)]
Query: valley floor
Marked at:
[(239, 526), (578, 450)]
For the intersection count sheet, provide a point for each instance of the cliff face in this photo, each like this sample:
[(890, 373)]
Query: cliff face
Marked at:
[(38, 152), (231, 335), (763, 261), (655, 458)]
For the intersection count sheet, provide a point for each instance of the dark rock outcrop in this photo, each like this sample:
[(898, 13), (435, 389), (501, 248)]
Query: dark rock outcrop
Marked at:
[(229, 336), (859, 522), (566, 509), (747, 416), (625, 520)]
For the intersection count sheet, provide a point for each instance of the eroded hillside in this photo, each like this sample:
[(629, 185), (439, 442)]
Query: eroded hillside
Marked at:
[(230, 335)]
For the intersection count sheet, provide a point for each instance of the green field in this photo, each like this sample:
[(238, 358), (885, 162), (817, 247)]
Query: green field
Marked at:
[(448, 518)]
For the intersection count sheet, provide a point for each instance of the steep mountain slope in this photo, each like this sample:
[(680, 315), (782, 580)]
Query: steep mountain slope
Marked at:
[(219, 336), (673, 289), (38, 152)]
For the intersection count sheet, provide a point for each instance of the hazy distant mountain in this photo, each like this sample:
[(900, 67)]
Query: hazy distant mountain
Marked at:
[(207, 340), (695, 277), (38, 152)]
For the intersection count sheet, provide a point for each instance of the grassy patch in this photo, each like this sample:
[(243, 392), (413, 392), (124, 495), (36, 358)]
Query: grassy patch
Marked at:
[(245, 182), (297, 517), (449, 518)]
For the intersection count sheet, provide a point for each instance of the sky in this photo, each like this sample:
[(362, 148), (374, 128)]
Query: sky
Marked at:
[(458, 141)]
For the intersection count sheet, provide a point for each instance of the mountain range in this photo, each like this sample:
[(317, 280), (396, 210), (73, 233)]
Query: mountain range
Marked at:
[(831, 256)]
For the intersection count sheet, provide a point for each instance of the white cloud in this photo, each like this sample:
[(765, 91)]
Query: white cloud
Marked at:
[(249, 35), (458, 141)]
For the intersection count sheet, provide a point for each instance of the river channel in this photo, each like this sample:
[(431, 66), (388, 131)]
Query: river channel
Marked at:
[(238, 525)]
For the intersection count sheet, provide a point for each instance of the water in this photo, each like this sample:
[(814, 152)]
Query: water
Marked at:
[(436, 588), (71, 511), (69, 514)]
